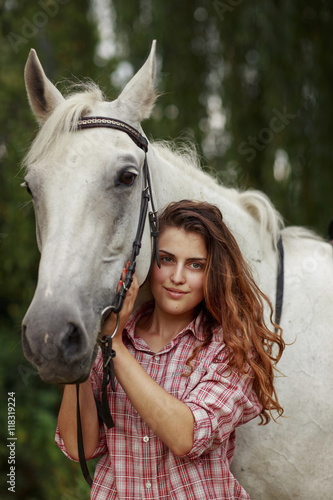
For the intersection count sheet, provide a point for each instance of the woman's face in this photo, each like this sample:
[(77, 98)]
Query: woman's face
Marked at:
[(178, 285)]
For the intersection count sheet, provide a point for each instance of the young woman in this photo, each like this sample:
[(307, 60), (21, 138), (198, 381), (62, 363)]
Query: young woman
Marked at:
[(190, 366)]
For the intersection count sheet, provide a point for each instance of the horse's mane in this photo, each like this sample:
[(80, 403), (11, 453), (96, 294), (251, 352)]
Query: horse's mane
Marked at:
[(184, 156), (254, 202), (56, 132)]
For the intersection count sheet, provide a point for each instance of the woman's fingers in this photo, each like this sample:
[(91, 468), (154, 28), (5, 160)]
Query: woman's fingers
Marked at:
[(123, 276), (130, 297), (127, 308)]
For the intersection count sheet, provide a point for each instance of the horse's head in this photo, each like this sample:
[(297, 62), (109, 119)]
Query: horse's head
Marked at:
[(86, 188)]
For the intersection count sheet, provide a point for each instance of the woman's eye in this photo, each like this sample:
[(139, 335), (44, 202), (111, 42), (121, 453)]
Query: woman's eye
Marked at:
[(127, 178), (166, 259), (196, 265)]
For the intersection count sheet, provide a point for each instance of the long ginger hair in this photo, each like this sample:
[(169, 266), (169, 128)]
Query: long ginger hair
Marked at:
[(232, 300)]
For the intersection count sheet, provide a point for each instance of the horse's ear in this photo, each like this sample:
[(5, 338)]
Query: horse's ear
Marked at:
[(43, 95), (139, 93)]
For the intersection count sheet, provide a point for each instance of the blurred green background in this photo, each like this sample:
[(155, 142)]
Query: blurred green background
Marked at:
[(248, 82)]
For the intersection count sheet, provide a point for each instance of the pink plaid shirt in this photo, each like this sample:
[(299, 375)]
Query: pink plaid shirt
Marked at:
[(135, 464)]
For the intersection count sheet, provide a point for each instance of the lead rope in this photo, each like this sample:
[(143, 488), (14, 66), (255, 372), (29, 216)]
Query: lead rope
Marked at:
[(82, 458), (103, 409)]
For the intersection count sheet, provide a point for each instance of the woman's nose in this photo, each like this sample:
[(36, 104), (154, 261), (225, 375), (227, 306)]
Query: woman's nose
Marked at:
[(178, 276)]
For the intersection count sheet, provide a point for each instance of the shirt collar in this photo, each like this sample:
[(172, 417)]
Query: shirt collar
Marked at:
[(196, 326)]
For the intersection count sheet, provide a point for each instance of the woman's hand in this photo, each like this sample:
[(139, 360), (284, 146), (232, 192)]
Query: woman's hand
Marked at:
[(125, 312), (170, 419)]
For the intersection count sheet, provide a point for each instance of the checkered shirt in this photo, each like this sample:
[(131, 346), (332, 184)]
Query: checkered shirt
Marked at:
[(135, 464)]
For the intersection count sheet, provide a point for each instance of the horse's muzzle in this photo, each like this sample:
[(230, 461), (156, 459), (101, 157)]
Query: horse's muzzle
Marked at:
[(58, 345)]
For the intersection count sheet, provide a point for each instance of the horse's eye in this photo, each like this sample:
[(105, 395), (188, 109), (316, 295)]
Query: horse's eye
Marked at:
[(26, 185), (127, 178)]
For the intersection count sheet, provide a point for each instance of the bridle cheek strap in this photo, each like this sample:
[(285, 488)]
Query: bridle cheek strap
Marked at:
[(141, 142), (108, 353)]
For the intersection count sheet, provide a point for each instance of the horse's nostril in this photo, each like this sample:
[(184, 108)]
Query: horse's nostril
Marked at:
[(73, 343), (26, 346)]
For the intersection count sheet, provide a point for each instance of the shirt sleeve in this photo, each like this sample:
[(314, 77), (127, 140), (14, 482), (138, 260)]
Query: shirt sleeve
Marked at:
[(101, 448), (222, 400)]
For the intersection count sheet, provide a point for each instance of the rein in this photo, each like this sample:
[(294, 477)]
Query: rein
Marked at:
[(108, 353), (279, 284)]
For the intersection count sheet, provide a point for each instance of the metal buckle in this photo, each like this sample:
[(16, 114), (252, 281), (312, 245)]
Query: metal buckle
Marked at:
[(104, 315)]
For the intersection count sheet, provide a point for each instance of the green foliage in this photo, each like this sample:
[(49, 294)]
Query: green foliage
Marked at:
[(280, 62), (41, 469), (248, 82), (250, 62)]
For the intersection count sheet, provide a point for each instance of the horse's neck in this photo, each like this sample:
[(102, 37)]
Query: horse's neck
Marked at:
[(173, 181)]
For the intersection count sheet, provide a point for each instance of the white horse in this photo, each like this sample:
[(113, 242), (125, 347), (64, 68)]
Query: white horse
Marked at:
[(86, 188)]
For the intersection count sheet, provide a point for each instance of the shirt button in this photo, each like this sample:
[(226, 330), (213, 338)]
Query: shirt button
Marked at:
[(146, 439), (148, 485), (157, 358)]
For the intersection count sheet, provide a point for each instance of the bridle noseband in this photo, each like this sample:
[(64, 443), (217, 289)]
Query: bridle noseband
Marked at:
[(106, 342)]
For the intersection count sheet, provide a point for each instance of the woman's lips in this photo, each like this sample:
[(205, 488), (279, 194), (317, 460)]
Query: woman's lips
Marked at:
[(174, 293)]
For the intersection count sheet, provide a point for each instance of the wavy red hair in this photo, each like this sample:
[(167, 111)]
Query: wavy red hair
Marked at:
[(232, 300)]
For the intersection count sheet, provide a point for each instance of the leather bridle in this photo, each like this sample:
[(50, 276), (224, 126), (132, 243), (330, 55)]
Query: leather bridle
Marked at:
[(279, 283), (141, 142), (106, 342)]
